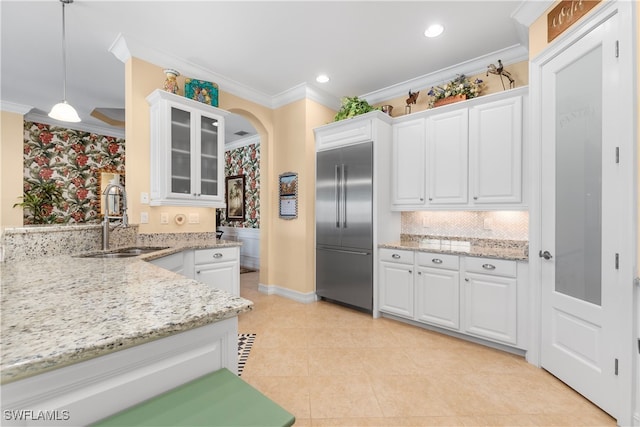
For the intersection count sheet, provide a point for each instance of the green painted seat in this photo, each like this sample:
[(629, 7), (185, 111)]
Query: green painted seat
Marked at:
[(217, 399)]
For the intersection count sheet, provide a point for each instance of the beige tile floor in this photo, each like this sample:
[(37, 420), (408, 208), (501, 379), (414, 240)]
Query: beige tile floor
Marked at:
[(333, 366)]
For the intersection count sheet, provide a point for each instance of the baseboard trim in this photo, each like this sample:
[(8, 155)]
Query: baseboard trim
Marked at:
[(302, 297)]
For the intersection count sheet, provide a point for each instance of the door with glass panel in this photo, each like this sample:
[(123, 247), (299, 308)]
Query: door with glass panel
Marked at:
[(579, 200)]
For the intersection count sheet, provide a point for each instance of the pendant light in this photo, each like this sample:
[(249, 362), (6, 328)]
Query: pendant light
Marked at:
[(63, 111)]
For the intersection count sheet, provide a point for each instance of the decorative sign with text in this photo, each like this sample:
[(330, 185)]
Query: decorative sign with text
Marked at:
[(565, 14)]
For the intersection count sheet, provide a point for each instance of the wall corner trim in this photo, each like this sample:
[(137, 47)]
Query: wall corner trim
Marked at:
[(303, 297)]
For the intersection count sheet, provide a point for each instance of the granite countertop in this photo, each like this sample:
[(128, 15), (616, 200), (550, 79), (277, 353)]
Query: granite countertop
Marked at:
[(486, 248), (62, 310)]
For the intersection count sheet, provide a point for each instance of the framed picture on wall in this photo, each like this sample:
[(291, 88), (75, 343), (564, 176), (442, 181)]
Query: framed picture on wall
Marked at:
[(288, 189), (235, 197)]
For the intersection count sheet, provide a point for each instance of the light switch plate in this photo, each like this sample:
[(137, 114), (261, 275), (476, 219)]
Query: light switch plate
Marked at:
[(144, 217), (144, 198), (194, 218), (164, 218)]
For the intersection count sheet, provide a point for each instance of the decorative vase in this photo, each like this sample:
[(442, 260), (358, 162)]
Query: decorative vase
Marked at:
[(449, 100), (170, 83)]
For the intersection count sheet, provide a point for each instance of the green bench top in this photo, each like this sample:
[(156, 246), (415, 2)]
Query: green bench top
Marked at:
[(217, 399)]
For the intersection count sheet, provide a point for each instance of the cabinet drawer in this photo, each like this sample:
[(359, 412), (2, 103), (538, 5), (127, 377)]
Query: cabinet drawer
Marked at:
[(428, 259), (396, 255), (207, 256), (497, 267)]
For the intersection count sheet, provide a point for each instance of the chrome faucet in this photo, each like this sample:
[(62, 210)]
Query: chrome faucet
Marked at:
[(106, 223)]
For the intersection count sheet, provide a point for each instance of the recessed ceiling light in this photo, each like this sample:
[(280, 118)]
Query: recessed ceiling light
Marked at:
[(434, 30), (322, 78)]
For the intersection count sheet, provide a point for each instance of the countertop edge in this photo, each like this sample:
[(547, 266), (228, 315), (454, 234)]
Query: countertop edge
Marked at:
[(494, 253)]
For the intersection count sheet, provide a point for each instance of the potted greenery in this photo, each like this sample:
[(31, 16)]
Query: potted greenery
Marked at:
[(40, 199), (351, 107)]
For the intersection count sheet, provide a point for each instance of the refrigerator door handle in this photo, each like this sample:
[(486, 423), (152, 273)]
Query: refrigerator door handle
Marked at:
[(338, 188), (343, 179)]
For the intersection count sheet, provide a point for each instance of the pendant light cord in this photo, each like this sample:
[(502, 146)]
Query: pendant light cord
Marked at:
[(64, 57)]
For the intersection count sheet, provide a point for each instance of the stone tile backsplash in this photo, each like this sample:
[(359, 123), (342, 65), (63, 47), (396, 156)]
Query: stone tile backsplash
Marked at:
[(504, 225)]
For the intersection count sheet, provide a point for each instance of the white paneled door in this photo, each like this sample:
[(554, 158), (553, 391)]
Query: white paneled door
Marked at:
[(580, 206)]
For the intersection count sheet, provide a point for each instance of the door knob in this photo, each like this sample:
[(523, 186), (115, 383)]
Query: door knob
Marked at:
[(545, 255)]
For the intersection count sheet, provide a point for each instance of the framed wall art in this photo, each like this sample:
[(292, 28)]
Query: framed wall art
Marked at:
[(235, 197), (201, 91), (288, 190)]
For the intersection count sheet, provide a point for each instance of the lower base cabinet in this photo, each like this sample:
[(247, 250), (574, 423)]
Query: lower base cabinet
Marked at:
[(396, 278), (219, 268), (216, 267), (469, 295), (491, 299)]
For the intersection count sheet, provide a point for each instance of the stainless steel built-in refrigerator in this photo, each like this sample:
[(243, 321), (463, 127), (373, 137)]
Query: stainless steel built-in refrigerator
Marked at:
[(344, 225)]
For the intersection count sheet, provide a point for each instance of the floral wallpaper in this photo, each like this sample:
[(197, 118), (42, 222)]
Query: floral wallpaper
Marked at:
[(245, 161), (71, 159)]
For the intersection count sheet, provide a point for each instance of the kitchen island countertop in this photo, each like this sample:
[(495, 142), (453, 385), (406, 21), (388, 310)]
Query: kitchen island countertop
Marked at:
[(61, 310)]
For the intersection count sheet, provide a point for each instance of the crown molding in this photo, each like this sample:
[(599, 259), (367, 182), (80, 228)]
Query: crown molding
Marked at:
[(305, 91), (12, 107), (98, 130), (253, 139), (530, 10), (509, 55), (125, 49)]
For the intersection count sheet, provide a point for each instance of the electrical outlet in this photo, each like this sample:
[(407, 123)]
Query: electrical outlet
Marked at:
[(144, 217), (488, 223), (144, 198), (194, 218), (164, 218)]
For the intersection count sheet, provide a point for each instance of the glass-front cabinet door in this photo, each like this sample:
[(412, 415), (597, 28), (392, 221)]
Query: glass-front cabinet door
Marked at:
[(209, 156), (180, 151), (187, 152)]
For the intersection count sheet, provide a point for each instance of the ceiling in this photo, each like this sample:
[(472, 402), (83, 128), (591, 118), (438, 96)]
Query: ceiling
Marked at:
[(259, 50)]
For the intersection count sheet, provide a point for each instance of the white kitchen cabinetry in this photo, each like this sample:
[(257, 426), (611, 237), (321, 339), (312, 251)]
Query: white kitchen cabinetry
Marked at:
[(219, 268), (173, 262), (490, 299), (437, 290), (396, 282), (483, 298), (408, 177), (495, 152), (475, 153), (187, 152), (448, 141)]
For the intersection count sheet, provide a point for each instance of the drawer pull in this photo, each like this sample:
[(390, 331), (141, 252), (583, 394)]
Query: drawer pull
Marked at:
[(198, 272), (488, 266), (436, 261), (395, 256), (217, 255)]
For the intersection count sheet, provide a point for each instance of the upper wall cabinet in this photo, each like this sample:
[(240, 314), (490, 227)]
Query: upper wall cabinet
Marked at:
[(187, 152), (468, 155), (495, 151)]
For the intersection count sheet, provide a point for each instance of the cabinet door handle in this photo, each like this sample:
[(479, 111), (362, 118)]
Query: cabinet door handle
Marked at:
[(198, 272), (410, 272), (466, 279), (217, 255), (488, 266), (419, 273), (475, 197), (436, 261), (395, 256)]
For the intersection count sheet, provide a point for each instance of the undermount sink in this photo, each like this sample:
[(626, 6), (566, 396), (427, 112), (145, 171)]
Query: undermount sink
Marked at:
[(124, 252)]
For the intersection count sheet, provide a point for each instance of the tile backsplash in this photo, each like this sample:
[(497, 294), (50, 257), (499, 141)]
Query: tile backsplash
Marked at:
[(510, 225)]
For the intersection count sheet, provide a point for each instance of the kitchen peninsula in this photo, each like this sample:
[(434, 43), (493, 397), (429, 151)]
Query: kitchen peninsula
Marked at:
[(83, 338)]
